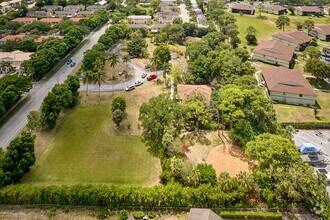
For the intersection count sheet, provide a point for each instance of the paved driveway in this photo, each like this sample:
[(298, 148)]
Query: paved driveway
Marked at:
[(321, 139)]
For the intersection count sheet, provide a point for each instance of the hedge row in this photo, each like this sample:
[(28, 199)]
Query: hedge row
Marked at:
[(120, 196), (251, 215), (307, 125)]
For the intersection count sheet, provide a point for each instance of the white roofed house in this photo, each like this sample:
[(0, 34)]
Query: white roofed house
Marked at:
[(139, 19), (15, 58)]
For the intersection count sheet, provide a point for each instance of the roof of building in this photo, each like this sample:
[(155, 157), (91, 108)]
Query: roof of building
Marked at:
[(323, 29), (74, 6), (63, 12), (12, 37), (240, 6), (281, 79), (51, 20), (24, 19), (167, 14), (275, 7), (37, 12), (75, 19), (52, 6), (308, 9), (185, 91), (96, 6), (275, 49), (296, 37), (42, 38), (16, 55), (85, 13), (139, 17), (158, 26), (202, 214), (137, 25)]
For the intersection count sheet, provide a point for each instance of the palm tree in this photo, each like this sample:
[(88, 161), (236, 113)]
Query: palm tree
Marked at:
[(87, 78), (126, 58), (98, 78), (113, 60), (6, 66)]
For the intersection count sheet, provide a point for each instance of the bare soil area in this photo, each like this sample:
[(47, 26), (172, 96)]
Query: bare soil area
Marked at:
[(120, 73)]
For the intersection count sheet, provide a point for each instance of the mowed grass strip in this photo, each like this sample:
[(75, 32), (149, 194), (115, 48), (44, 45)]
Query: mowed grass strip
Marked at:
[(85, 147)]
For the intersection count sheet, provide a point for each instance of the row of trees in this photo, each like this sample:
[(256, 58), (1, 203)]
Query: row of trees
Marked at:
[(11, 89), (118, 108)]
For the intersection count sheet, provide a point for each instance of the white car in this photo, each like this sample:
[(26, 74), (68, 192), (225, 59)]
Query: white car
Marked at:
[(129, 88), (138, 83)]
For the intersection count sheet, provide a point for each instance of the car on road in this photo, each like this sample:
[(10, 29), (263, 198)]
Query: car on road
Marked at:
[(138, 83), (152, 76), (129, 88), (144, 75), (69, 61), (72, 64)]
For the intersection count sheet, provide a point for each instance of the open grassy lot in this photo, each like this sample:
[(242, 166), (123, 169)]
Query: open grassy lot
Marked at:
[(85, 146)]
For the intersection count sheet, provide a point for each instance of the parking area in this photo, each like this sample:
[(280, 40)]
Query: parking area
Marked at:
[(319, 138)]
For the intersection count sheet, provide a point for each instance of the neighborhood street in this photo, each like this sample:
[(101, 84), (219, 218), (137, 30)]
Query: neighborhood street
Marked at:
[(40, 89)]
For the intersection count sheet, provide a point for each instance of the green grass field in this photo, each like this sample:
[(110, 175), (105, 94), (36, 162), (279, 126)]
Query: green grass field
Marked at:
[(85, 147)]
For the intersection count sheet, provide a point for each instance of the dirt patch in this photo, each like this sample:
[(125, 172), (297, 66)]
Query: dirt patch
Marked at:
[(228, 158), (120, 73)]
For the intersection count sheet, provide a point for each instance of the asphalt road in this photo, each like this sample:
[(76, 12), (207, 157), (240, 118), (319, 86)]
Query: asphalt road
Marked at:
[(184, 13), (40, 89)]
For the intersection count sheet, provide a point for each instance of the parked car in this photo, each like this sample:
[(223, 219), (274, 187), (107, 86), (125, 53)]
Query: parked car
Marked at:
[(129, 88), (72, 64), (138, 83), (144, 75), (69, 61), (152, 76)]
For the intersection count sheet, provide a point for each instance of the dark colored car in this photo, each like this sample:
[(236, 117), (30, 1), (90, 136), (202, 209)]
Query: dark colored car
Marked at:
[(152, 76), (69, 62), (72, 64)]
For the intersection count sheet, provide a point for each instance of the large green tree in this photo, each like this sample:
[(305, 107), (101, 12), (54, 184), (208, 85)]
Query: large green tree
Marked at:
[(137, 47), (282, 21), (161, 55)]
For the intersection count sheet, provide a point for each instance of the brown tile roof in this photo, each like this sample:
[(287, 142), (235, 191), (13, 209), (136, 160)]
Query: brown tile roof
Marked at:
[(185, 91), (242, 6), (308, 9), (42, 38), (15, 56), (51, 20), (75, 19), (12, 37), (275, 7), (281, 79), (275, 49), (296, 37), (24, 19), (323, 29)]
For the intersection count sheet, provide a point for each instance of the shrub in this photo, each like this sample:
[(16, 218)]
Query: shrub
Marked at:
[(123, 215), (138, 215), (152, 214), (252, 215)]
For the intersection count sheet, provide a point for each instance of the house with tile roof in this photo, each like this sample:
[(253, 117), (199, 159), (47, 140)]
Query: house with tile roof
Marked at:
[(42, 38), (274, 52), (166, 17), (139, 19), (51, 20), (63, 14), (24, 20), (308, 10), (321, 32), (85, 14), (275, 9), (297, 39), (287, 86), (96, 7), (242, 8), (188, 91), (38, 14), (12, 37), (74, 8), (15, 58)]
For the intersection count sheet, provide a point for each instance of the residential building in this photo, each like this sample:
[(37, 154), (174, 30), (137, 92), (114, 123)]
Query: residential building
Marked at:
[(297, 39), (242, 8), (75, 19), (166, 17), (74, 8), (321, 32), (12, 37), (95, 7), (37, 14), (24, 20), (275, 9), (62, 14), (51, 20), (157, 27), (85, 14), (202, 214), (42, 38), (139, 19), (308, 10), (168, 8), (288, 86), (15, 58), (52, 7), (167, 3), (144, 26), (274, 52), (188, 91)]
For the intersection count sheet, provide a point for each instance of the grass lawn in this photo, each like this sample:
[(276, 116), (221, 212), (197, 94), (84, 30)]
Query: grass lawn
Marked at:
[(85, 146), (318, 83)]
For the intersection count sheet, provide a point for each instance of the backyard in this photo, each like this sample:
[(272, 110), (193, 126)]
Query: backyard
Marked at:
[(85, 146)]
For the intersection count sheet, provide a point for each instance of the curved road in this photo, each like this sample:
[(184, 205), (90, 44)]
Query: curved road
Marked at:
[(40, 89)]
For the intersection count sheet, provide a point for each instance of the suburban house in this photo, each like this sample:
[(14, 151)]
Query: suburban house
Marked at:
[(62, 14), (42, 38), (157, 27), (75, 19), (85, 14), (288, 86), (37, 14), (166, 17), (187, 91), (168, 8), (275, 9), (242, 8), (52, 7), (144, 26), (321, 32), (139, 19), (8, 5), (51, 20), (95, 7), (24, 20), (297, 39), (274, 52), (74, 8), (15, 58), (308, 10), (12, 37), (164, 4), (202, 214)]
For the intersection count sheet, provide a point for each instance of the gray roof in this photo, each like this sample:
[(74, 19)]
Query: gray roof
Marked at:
[(63, 12), (52, 6), (74, 6), (202, 214), (158, 26), (138, 26), (85, 12)]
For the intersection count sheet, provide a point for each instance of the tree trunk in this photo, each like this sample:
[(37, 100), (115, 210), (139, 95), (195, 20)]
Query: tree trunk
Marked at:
[(87, 90)]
